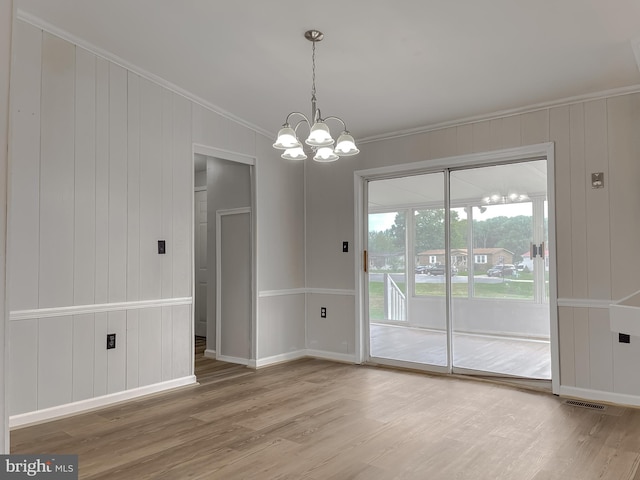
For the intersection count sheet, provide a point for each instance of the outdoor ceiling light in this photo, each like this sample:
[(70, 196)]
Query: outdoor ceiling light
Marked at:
[(319, 139), (512, 197)]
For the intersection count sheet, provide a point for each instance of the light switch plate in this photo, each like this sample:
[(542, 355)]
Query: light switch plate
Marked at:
[(597, 180)]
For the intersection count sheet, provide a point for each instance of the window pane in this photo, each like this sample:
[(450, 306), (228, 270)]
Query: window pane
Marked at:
[(428, 225), (387, 262), (501, 237)]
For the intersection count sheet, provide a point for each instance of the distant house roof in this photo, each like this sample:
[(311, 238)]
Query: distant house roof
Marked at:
[(491, 250), (476, 251), (441, 251)]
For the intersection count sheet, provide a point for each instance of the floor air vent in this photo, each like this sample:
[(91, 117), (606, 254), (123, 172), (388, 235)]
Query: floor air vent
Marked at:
[(592, 406)]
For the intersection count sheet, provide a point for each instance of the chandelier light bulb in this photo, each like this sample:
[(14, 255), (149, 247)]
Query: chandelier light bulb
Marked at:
[(319, 136), (346, 146), (296, 153), (325, 154), (286, 139)]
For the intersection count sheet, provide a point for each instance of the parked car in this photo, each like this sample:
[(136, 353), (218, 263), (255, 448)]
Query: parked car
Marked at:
[(439, 269), (423, 268), (506, 270)]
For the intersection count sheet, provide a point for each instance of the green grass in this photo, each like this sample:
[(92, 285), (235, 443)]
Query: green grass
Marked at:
[(505, 289)]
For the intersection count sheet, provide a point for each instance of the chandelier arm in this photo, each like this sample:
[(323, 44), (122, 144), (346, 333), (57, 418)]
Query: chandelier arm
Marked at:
[(297, 113), (304, 120), (344, 125)]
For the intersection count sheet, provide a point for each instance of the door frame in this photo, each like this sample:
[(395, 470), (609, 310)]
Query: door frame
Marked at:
[(196, 190), (542, 151), (208, 151), (219, 215)]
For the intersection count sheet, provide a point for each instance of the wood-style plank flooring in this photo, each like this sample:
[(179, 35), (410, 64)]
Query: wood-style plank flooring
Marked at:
[(318, 420)]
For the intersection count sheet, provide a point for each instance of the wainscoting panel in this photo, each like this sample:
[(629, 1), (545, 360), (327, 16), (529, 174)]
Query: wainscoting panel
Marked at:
[(281, 329), (55, 361), (133, 338), (23, 377), (100, 379), (83, 355), (117, 357), (150, 347)]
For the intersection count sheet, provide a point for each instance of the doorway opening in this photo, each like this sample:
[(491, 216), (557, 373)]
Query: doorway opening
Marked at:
[(223, 256), (458, 274)]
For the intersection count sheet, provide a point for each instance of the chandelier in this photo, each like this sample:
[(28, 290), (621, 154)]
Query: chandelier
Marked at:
[(512, 197), (319, 138)]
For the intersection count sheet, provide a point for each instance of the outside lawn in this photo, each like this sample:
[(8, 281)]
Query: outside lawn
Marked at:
[(522, 290)]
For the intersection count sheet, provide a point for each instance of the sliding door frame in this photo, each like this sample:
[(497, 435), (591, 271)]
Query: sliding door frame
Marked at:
[(543, 151)]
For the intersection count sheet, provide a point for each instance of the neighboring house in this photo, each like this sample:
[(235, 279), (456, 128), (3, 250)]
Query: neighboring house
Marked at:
[(482, 256), (528, 262)]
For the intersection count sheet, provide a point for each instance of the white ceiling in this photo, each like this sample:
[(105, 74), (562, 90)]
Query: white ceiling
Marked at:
[(383, 66)]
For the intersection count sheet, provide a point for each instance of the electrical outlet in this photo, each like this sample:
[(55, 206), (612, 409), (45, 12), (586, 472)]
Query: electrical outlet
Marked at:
[(323, 312), (111, 341), (162, 247), (624, 338)]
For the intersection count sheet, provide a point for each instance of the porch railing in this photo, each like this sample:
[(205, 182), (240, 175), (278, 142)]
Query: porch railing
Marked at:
[(395, 302)]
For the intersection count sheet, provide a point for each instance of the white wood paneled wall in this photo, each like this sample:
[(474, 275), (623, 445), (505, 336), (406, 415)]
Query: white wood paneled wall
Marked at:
[(597, 229), (7, 14), (102, 171)]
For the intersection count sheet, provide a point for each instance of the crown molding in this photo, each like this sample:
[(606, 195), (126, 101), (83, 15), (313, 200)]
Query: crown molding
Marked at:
[(100, 52), (615, 92), (52, 29)]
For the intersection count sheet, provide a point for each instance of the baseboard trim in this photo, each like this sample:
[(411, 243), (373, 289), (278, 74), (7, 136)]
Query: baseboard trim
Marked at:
[(83, 406), (210, 354), (282, 358), (600, 396), (228, 359), (336, 357)]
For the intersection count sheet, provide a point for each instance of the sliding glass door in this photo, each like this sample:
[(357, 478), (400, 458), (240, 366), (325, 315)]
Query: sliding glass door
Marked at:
[(407, 300), (458, 270)]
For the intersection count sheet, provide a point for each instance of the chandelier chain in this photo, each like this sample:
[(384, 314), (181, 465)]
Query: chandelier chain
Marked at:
[(313, 70)]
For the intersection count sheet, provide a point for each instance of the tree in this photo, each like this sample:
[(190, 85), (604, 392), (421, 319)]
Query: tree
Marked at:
[(429, 230), (381, 242), (512, 233)]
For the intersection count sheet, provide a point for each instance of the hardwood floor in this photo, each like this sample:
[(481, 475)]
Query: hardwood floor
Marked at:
[(318, 420)]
